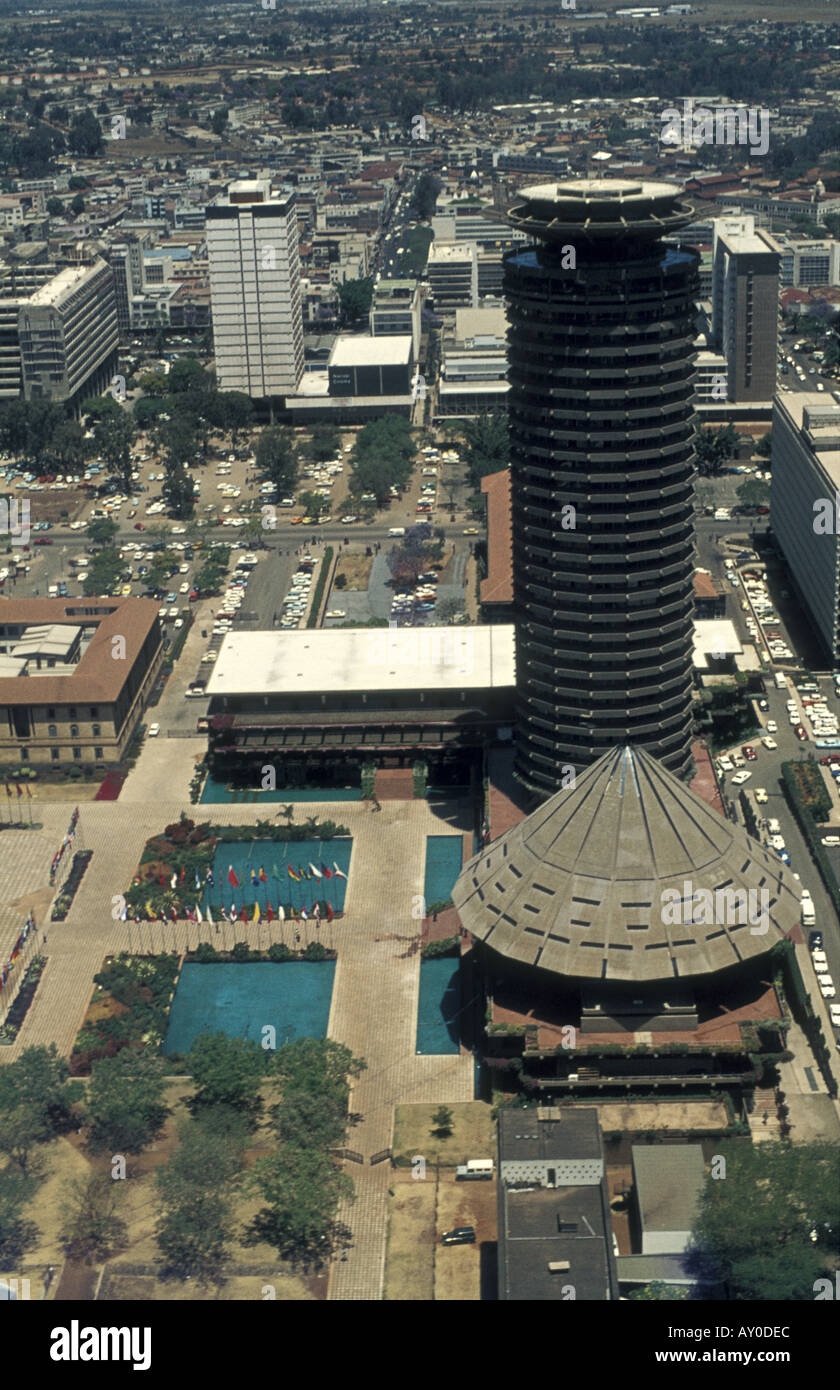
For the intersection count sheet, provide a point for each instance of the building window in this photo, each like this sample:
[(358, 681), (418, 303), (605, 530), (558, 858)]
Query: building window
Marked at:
[(94, 712), (54, 754), (51, 714), (74, 731), (52, 732), (97, 730), (97, 753), (77, 754), (24, 752)]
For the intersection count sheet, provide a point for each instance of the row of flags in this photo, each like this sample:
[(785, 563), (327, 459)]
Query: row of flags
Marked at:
[(297, 874), (65, 843), (176, 912), (20, 790), (7, 969)]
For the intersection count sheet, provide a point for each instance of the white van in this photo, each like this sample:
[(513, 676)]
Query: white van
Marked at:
[(396, 531), (475, 1169)]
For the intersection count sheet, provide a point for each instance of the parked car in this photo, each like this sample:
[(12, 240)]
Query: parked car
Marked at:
[(154, 730), (460, 1235)]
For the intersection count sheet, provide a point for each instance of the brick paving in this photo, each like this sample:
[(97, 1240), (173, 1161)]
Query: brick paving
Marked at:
[(374, 1005)]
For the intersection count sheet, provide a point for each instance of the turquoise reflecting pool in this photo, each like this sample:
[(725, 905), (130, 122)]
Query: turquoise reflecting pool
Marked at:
[(438, 1006), (443, 865), (239, 1000)]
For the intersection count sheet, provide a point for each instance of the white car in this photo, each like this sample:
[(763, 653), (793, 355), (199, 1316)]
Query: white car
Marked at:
[(834, 1013), (725, 765), (820, 960), (740, 778), (154, 730), (769, 743), (772, 727), (761, 795), (826, 985), (184, 588), (777, 842), (831, 840)]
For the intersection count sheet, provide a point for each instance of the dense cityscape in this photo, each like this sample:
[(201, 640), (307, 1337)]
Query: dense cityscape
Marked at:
[(420, 658)]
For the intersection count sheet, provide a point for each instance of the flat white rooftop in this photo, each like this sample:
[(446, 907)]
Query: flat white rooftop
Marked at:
[(716, 638), (364, 659), (363, 351)]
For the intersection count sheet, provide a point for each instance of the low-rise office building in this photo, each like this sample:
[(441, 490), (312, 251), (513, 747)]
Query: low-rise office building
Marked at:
[(75, 676)]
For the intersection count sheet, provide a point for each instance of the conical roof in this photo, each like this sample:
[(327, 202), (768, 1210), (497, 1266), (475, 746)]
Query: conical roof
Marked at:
[(627, 876)]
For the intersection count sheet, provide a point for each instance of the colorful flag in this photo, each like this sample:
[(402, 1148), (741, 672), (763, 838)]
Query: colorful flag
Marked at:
[(316, 872), (339, 873), (243, 914), (198, 916), (328, 873), (173, 881), (268, 912), (256, 916), (174, 914), (210, 877), (19, 792), (232, 879), (210, 916), (304, 915), (281, 916), (197, 882), (303, 873), (329, 911), (292, 873), (150, 910), (263, 875), (190, 915), (316, 910), (183, 873), (162, 880), (253, 878), (231, 917)]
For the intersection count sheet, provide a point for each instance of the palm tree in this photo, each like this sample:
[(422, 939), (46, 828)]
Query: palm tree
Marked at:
[(287, 812)]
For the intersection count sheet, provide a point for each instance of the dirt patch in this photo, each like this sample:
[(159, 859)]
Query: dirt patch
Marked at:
[(463, 1204), (410, 1254), (119, 1287), (356, 569)]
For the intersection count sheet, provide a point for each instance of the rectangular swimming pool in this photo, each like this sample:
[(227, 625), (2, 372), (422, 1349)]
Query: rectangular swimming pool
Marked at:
[(217, 793)]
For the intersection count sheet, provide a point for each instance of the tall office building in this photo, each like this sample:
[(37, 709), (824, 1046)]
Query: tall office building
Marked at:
[(804, 503), (602, 460), (745, 307), (252, 245), (68, 333)]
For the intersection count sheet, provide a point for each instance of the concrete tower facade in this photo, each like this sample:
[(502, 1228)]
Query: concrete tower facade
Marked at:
[(602, 462)]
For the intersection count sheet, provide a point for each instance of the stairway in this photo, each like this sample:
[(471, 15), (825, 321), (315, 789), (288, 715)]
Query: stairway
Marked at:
[(394, 784)]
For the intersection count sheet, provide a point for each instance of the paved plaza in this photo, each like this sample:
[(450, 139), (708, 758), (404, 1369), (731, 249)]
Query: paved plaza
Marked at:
[(374, 1003)]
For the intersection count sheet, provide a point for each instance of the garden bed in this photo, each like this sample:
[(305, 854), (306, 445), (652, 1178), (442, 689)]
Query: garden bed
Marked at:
[(242, 953), (129, 1008), (67, 893), (20, 1004)]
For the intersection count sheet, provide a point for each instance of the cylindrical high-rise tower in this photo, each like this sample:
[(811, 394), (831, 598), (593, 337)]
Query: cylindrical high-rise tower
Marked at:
[(602, 467)]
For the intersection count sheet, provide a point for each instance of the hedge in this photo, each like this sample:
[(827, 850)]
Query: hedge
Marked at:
[(312, 620)]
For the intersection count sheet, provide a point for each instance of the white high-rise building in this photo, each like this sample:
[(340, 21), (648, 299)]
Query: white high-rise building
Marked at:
[(252, 245)]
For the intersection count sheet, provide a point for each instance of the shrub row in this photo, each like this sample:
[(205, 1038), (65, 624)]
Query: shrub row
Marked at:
[(64, 901)]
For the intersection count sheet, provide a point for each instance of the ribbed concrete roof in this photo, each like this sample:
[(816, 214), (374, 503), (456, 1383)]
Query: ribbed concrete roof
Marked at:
[(585, 885)]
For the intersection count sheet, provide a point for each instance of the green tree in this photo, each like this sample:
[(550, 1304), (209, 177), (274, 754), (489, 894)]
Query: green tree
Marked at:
[(85, 136), (227, 1071), (486, 446), (302, 1189), (657, 1292), (17, 1233), (68, 447), (101, 530), (424, 197), (276, 459), (233, 413), (178, 490), (91, 1226), (442, 1122), (325, 443), (753, 493), (779, 1204), (312, 503), (35, 1103), (196, 1188), (219, 120), (125, 1102), (187, 374), (104, 572), (764, 447), (55, 207), (114, 435), (354, 299), (77, 206)]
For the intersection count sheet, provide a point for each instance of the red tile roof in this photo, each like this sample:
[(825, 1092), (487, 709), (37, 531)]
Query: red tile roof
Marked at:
[(99, 677), (498, 586)]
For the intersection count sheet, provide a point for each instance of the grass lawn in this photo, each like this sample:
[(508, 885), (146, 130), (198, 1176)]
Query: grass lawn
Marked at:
[(473, 1133), (118, 1287), (65, 791), (410, 1253)]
